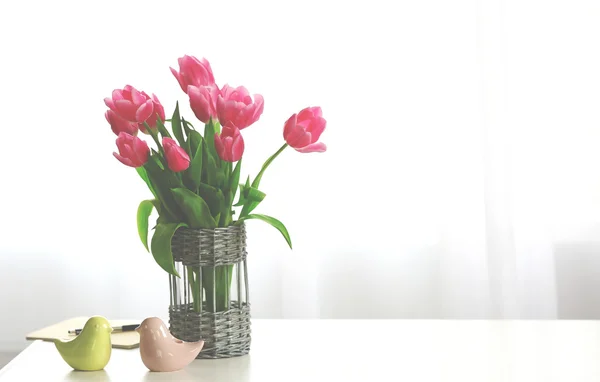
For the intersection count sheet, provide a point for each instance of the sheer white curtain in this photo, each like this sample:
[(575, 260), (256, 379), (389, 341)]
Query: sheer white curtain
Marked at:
[(460, 180), (473, 183)]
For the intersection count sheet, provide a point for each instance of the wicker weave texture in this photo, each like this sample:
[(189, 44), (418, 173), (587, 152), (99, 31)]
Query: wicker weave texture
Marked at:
[(209, 247), (225, 333)]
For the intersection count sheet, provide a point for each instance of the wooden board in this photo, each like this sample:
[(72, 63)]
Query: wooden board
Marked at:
[(120, 340)]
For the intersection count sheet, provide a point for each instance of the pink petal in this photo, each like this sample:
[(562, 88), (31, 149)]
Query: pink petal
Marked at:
[(126, 109), (289, 126), (125, 161), (179, 79), (166, 141), (302, 140), (145, 111), (317, 127), (109, 103), (241, 94), (138, 97), (259, 101), (219, 147), (226, 91), (318, 147), (126, 150), (298, 137), (237, 149), (141, 150), (117, 94), (201, 106)]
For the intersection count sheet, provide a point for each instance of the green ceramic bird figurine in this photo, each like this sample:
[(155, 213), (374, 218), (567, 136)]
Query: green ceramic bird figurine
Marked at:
[(91, 349)]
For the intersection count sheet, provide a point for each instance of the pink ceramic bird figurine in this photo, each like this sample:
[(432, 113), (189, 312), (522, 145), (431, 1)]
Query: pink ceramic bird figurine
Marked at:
[(160, 351)]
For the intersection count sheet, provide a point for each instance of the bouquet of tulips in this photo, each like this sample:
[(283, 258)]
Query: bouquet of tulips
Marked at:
[(194, 176)]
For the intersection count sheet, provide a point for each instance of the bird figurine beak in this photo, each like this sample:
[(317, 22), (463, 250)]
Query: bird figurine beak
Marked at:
[(137, 329)]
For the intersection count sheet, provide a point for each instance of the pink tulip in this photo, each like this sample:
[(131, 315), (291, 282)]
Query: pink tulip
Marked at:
[(119, 124), (230, 144), (193, 72), (235, 107), (302, 130), (158, 112), (130, 104), (177, 159), (203, 101), (133, 151)]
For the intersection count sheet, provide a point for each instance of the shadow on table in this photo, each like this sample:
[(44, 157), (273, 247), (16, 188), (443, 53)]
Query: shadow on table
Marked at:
[(223, 370), (76, 375)]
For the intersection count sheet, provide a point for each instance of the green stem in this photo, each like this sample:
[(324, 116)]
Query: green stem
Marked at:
[(256, 181), (227, 206), (154, 135), (195, 289), (217, 288)]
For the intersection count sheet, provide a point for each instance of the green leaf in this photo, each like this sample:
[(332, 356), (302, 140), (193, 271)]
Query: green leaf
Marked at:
[(209, 166), (242, 199), (161, 245), (194, 208), (187, 126), (164, 180), (195, 141), (272, 221), (235, 178), (243, 193), (143, 213), (194, 172), (255, 196), (162, 129), (177, 131), (213, 197), (227, 212), (209, 135), (144, 175)]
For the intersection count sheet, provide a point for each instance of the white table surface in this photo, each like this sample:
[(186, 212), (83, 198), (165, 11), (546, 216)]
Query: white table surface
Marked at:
[(364, 350)]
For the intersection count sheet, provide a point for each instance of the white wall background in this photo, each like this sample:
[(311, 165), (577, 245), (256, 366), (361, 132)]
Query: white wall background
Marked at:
[(461, 179)]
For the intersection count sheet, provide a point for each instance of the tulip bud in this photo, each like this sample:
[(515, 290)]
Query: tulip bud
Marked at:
[(133, 152), (230, 144), (177, 159), (203, 101)]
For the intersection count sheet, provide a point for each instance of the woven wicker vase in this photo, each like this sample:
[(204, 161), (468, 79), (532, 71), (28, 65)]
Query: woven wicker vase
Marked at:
[(210, 301)]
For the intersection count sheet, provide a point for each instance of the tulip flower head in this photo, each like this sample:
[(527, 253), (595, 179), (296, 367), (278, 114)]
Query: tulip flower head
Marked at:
[(193, 72), (302, 130), (229, 144), (177, 159), (133, 152), (235, 107), (118, 124)]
